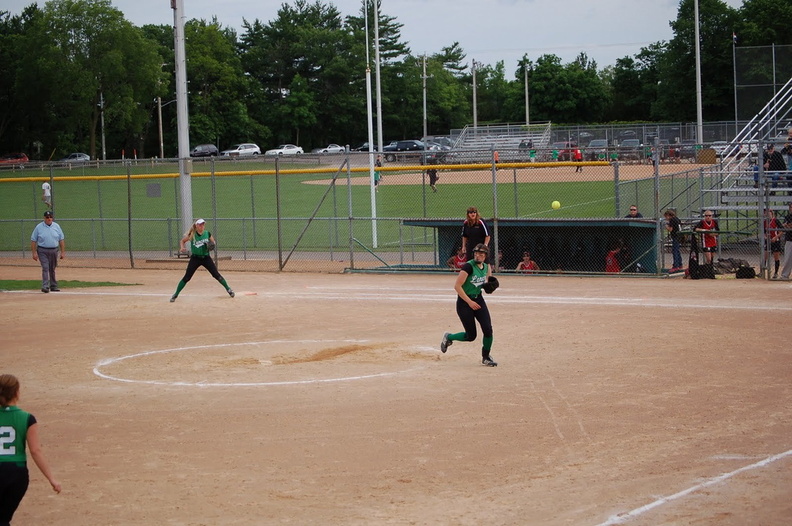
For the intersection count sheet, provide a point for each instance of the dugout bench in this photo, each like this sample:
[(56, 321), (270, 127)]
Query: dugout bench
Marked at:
[(567, 245)]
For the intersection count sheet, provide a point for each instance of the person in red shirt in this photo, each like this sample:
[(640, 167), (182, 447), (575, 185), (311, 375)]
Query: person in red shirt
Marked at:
[(457, 260), (710, 245), (527, 265), (773, 239), (612, 260), (578, 157)]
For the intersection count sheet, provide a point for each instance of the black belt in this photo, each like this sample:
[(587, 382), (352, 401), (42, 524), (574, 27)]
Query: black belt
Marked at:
[(49, 248)]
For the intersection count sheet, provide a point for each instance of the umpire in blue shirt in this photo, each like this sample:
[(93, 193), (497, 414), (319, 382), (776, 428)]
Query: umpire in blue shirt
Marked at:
[(45, 243)]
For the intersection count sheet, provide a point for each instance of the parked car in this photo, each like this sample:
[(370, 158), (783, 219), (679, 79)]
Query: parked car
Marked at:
[(597, 150), (687, 149), (630, 150), (362, 148), (412, 149), (245, 149), (720, 147), (14, 159), (204, 150), (75, 158), (330, 148), (285, 149)]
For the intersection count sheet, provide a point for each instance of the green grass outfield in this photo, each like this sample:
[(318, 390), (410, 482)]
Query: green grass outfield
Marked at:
[(92, 204), (29, 284)]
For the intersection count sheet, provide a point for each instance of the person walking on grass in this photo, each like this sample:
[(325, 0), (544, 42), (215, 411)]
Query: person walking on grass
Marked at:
[(18, 432), (200, 241), (470, 305)]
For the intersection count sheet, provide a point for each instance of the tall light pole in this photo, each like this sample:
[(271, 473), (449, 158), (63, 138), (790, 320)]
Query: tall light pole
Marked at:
[(734, 62), (475, 109), (101, 116), (699, 111), (423, 76), (182, 116), (370, 122), (527, 101), (159, 116), (377, 70)]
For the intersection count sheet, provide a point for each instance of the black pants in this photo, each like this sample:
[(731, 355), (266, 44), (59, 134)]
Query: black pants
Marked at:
[(468, 317), (14, 482), (198, 261)]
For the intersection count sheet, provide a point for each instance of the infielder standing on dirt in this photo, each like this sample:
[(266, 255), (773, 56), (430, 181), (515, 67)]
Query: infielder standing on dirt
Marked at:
[(474, 277), (201, 242), (18, 429)]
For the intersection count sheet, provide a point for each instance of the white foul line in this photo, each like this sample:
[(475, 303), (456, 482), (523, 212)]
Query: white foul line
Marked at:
[(623, 517)]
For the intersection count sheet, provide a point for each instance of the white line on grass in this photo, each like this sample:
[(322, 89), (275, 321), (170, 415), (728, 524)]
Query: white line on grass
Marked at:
[(623, 517)]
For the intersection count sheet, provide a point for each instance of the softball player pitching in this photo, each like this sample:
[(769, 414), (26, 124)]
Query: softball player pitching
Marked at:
[(200, 256), (474, 277)]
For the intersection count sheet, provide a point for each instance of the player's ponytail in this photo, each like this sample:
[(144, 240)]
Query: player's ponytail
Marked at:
[(9, 389)]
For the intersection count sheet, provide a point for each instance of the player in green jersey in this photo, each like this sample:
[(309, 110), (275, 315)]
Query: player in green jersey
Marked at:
[(200, 256), (18, 429), (470, 304)]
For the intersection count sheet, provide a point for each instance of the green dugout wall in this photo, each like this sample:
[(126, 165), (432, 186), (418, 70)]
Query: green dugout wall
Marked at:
[(569, 245)]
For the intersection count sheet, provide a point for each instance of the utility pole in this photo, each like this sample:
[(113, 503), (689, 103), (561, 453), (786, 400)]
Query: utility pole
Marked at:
[(475, 109)]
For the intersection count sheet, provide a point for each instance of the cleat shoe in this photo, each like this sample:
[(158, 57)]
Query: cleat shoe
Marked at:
[(489, 362), (45, 290), (231, 293), (445, 343), (54, 289), (173, 298)]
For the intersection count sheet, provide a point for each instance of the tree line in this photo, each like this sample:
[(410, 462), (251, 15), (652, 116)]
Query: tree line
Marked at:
[(300, 78)]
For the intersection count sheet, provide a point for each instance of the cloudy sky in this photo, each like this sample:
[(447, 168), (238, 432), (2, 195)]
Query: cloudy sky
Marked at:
[(487, 30)]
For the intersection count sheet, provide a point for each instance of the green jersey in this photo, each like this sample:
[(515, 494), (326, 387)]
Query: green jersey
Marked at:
[(477, 277), (14, 424), (198, 243)]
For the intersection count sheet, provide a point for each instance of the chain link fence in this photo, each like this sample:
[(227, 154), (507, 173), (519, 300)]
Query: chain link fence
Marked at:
[(325, 213)]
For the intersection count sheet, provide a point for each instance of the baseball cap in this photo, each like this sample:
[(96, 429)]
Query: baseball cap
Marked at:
[(200, 222), (47, 214)]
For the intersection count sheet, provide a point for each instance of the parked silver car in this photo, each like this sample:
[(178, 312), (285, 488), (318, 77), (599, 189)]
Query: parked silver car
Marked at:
[(245, 149)]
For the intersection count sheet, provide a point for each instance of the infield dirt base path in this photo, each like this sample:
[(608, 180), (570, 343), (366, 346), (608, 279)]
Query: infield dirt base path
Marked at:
[(323, 399)]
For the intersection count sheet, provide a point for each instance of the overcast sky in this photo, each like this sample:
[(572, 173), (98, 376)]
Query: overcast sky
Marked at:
[(487, 30)]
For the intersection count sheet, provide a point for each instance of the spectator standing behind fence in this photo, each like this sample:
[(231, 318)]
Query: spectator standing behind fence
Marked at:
[(18, 432), (634, 213), (46, 242), (710, 244), (527, 265), (46, 194), (200, 241), (457, 260), (773, 239), (773, 164), (787, 151), (673, 224), (474, 231), (787, 268)]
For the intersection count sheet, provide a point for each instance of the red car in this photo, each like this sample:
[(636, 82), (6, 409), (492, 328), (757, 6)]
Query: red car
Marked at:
[(14, 159)]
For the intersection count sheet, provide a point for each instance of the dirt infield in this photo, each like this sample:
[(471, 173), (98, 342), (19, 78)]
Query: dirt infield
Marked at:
[(561, 172), (323, 399)]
